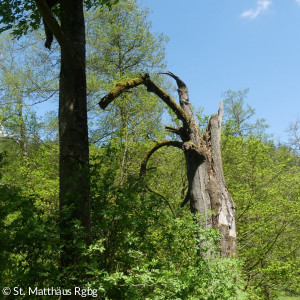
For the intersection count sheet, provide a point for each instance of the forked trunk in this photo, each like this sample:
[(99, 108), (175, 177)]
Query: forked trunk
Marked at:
[(207, 189)]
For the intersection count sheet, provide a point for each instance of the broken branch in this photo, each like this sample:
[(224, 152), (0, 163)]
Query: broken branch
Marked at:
[(173, 130), (123, 86), (183, 91), (120, 88), (179, 82), (54, 26)]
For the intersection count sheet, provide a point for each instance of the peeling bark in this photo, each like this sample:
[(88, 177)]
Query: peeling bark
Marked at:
[(207, 188), (223, 204)]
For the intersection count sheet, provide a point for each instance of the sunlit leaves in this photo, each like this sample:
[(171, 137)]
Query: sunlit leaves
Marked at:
[(264, 183), (23, 15)]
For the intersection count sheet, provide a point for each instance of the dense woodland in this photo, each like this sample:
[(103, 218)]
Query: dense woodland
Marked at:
[(142, 242)]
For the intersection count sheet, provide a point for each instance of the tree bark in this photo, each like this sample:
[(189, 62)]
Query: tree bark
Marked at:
[(207, 189), (222, 203), (73, 129)]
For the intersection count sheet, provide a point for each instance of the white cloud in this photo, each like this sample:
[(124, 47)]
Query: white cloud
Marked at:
[(262, 5), (298, 1)]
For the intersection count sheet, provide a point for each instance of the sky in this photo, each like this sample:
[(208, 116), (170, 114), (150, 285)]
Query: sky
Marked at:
[(221, 45)]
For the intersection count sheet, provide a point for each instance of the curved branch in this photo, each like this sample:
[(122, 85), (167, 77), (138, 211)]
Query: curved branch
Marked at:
[(155, 148), (124, 86), (179, 82), (180, 113), (120, 88), (183, 93), (54, 26)]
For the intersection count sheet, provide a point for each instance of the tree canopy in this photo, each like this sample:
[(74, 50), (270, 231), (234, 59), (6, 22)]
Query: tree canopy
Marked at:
[(23, 15)]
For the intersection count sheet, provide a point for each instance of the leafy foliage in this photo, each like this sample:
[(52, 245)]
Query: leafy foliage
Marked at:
[(264, 181), (22, 15), (144, 245), (238, 117), (29, 254), (149, 252)]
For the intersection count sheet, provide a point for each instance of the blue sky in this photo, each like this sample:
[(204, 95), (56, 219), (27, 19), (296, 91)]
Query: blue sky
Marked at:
[(218, 45)]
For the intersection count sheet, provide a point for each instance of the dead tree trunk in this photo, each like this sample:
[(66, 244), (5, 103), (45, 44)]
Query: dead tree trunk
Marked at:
[(207, 189)]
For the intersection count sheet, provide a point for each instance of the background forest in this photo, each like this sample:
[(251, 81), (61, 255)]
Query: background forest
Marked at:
[(144, 244)]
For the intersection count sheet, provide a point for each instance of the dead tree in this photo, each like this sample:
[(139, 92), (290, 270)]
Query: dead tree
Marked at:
[(207, 189)]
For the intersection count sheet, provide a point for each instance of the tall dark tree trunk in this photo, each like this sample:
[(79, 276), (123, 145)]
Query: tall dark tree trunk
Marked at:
[(207, 189), (73, 131), (73, 128)]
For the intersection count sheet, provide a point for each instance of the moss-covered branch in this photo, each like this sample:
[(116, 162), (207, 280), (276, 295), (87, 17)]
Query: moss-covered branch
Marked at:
[(152, 87), (155, 148), (120, 88), (124, 86)]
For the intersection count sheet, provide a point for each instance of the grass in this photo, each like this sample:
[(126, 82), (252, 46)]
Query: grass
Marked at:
[(288, 298)]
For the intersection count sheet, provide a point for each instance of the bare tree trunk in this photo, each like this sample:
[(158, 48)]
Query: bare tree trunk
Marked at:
[(207, 189), (222, 203), (73, 131)]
